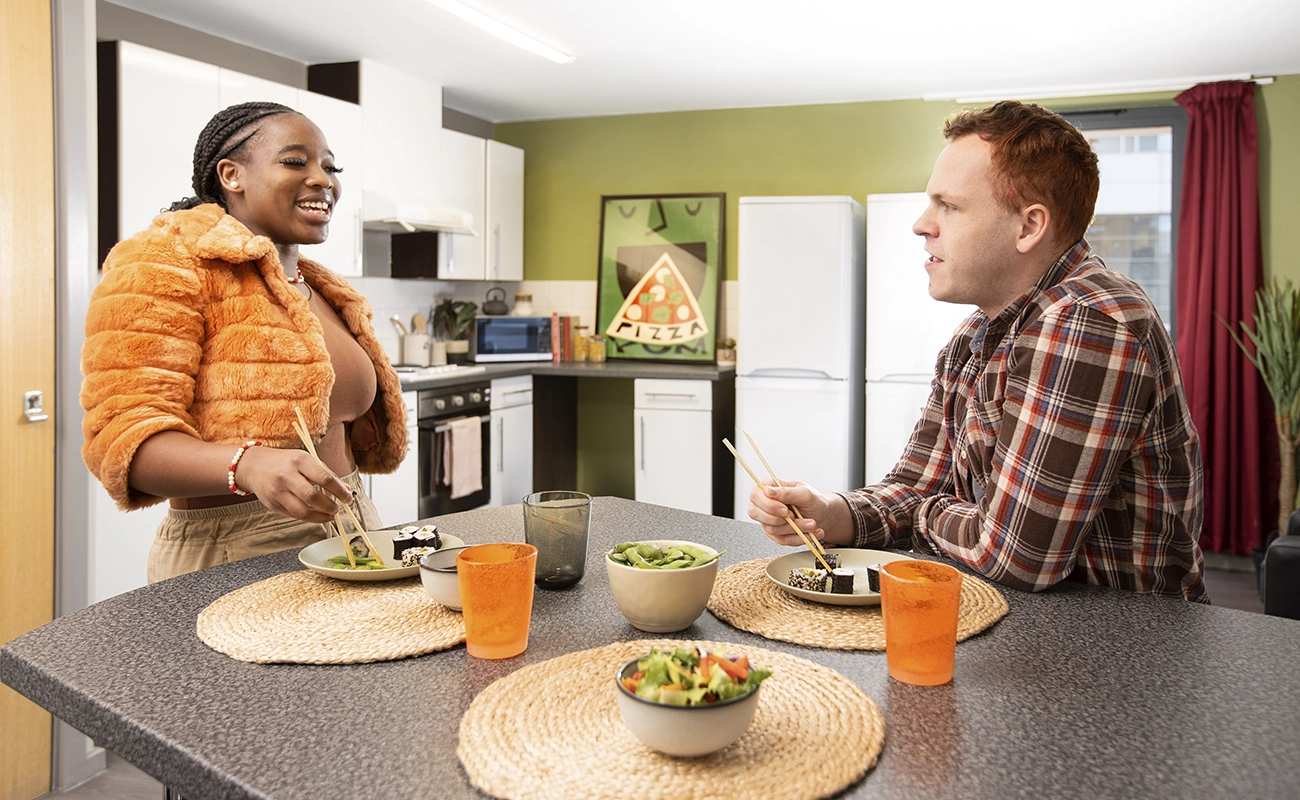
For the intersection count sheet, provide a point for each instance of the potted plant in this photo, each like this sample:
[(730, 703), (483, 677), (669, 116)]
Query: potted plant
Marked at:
[(1277, 358), (726, 350), (452, 319)]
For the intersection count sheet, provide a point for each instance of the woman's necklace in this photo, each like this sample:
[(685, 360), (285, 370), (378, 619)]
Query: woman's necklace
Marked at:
[(299, 279)]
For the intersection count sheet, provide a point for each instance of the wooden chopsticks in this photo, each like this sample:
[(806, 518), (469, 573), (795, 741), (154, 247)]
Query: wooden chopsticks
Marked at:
[(300, 427), (776, 480), (806, 539)]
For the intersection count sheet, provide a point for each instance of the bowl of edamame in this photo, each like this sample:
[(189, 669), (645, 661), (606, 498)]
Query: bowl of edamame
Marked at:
[(662, 585)]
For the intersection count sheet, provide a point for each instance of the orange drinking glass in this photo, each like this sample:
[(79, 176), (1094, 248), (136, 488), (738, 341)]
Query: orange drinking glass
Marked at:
[(919, 601), (496, 597)]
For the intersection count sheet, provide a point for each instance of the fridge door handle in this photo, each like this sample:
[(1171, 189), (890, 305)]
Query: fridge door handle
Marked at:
[(905, 377), (789, 372), (640, 442)]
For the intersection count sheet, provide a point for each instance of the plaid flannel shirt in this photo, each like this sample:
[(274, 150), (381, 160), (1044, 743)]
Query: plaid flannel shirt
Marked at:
[(1056, 444)]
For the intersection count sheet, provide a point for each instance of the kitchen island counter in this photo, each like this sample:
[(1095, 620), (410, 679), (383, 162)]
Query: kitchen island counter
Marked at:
[(1079, 692)]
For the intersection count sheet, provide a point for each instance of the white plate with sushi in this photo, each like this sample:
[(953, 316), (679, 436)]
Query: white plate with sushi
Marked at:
[(778, 572), (316, 557)]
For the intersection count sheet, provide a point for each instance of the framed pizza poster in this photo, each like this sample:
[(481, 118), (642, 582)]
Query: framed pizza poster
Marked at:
[(660, 275)]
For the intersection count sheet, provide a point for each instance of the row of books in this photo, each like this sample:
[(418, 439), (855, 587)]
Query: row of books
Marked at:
[(564, 335)]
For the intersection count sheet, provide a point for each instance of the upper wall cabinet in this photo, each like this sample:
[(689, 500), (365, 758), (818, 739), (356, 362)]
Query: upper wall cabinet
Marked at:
[(503, 229), (464, 164), (403, 119), (153, 105), (162, 102), (236, 87), (341, 122)]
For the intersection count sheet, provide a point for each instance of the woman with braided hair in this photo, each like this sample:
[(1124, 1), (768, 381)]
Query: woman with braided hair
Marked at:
[(209, 334)]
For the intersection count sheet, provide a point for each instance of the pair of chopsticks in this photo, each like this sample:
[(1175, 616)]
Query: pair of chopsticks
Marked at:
[(811, 541), (300, 427)]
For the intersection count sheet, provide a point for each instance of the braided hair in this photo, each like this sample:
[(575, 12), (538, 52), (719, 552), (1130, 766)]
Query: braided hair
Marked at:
[(223, 137)]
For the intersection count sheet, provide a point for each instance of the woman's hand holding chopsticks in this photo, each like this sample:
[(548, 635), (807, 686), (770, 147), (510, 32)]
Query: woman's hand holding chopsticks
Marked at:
[(291, 483)]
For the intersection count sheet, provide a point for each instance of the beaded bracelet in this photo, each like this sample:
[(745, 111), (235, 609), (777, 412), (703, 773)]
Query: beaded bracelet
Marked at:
[(234, 462)]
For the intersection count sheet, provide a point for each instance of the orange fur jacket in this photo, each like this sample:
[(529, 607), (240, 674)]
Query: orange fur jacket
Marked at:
[(194, 328)]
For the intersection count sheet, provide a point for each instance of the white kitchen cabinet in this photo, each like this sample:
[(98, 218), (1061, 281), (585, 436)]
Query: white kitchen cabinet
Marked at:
[(397, 495), (236, 87), (503, 227), (672, 443), (463, 187), (402, 119), (342, 123), (163, 102), (512, 440)]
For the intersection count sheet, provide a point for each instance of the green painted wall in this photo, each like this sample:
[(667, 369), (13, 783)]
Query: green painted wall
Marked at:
[(852, 148), (1278, 114)]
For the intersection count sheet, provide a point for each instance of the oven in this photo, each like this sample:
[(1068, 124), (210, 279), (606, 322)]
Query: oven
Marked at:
[(436, 408)]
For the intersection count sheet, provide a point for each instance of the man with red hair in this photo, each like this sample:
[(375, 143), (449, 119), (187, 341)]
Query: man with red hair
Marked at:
[(1056, 443)]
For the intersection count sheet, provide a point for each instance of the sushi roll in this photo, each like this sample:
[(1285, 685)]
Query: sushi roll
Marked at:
[(427, 536), (832, 560), (412, 556), (404, 540), (842, 581), (814, 580), (873, 577)]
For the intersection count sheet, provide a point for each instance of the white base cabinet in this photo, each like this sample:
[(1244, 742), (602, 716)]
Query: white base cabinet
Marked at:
[(397, 495), (512, 440), (672, 443)]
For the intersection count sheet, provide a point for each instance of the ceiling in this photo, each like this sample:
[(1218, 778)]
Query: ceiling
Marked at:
[(694, 54)]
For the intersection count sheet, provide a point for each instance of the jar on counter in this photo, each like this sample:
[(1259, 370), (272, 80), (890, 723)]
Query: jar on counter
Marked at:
[(523, 305), (596, 348), (581, 343)]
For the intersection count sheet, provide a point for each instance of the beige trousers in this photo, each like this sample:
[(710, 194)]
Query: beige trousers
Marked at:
[(192, 539)]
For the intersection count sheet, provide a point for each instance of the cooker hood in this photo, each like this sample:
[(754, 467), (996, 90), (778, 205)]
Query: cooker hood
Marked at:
[(381, 212)]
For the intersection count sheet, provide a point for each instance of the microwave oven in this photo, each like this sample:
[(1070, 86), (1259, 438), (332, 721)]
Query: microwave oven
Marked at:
[(510, 339)]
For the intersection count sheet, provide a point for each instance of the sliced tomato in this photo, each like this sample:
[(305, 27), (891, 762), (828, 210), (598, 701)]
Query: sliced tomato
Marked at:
[(706, 670), (630, 684)]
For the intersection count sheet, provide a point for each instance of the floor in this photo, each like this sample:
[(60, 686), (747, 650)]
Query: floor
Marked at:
[(1230, 581)]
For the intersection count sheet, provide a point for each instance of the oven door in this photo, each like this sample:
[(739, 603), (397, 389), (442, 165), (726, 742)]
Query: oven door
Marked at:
[(435, 488)]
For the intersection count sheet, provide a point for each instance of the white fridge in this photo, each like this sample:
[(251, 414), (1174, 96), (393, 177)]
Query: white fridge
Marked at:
[(905, 329), (799, 355)]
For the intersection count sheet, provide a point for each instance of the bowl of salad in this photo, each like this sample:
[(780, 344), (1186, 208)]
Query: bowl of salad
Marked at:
[(688, 702)]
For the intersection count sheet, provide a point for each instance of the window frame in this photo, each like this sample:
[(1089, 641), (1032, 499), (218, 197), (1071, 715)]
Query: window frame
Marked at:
[(1175, 118)]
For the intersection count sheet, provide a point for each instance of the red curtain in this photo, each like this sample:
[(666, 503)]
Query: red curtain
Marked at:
[(1219, 269)]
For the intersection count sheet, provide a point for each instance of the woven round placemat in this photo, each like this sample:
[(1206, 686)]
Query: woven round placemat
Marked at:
[(305, 618), (743, 596), (814, 733)]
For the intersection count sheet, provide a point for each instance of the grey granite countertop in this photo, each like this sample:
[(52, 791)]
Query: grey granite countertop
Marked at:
[(1080, 692), (577, 369)]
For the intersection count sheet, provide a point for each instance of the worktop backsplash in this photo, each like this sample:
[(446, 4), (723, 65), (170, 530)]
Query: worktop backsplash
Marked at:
[(403, 298)]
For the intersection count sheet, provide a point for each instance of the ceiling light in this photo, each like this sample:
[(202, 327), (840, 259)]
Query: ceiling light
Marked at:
[(1046, 92), (502, 30)]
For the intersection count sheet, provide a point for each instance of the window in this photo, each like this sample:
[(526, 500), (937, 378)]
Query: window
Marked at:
[(1135, 229)]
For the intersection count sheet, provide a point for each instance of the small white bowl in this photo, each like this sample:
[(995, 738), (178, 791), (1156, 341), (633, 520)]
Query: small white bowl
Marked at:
[(686, 731), (439, 577), (662, 600)]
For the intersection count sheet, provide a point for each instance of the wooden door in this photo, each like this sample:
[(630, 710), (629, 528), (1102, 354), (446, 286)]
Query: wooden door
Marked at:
[(26, 364)]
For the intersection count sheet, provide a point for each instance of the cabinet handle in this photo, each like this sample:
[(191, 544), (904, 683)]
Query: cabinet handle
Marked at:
[(357, 258), (671, 394), (643, 444), (496, 250), (501, 445)]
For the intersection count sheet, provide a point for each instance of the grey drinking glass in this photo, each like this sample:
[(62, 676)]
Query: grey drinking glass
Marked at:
[(557, 523)]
